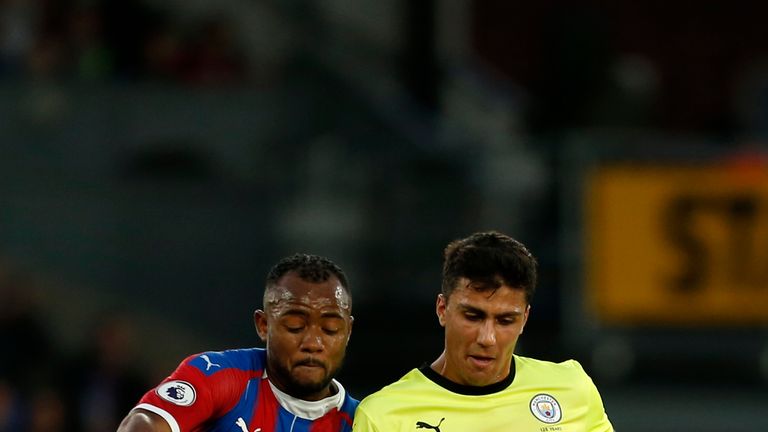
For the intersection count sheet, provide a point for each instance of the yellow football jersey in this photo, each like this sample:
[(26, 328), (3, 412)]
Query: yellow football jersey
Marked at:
[(538, 396)]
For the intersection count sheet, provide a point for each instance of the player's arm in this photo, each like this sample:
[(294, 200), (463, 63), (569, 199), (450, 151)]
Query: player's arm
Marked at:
[(183, 401), (139, 420)]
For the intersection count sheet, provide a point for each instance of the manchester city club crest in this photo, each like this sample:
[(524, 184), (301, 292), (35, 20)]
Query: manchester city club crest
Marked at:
[(178, 392), (546, 408)]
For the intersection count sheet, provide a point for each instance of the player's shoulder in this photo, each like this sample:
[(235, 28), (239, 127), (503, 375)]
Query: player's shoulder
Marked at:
[(406, 385), (569, 364), (246, 359), (570, 369)]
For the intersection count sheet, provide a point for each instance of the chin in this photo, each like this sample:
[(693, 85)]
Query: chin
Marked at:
[(307, 386), (304, 391)]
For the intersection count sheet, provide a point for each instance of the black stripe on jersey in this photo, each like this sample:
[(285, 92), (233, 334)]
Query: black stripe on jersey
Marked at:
[(468, 389)]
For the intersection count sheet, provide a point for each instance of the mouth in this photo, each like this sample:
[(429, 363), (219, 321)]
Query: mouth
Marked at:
[(309, 363), (481, 361)]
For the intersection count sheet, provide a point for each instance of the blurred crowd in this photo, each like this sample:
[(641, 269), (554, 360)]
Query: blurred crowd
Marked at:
[(103, 40), (46, 386)]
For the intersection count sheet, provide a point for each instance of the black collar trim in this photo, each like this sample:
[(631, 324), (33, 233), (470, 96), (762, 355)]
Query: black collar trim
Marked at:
[(468, 389)]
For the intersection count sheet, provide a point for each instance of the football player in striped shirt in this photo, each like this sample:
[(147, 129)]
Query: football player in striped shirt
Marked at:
[(288, 386), (478, 383)]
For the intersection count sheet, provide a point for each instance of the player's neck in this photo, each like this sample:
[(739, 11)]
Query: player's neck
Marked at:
[(319, 395), (309, 409), (439, 364)]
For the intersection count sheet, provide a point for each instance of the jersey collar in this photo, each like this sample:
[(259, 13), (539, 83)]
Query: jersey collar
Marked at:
[(309, 410), (468, 389)]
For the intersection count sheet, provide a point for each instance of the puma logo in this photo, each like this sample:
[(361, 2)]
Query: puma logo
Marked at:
[(424, 425), (244, 427), (240, 422), (210, 363)]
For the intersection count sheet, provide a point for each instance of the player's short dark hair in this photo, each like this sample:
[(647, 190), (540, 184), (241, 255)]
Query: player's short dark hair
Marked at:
[(311, 268), (489, 259)]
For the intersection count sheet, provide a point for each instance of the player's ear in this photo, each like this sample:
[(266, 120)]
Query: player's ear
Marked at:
[(260, 322), (440, 306)]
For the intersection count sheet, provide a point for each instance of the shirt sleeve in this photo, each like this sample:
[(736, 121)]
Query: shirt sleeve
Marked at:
[(363, 422), (597, 419), (187, 398)]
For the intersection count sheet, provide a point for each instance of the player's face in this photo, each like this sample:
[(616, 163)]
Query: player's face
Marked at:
[(481, 331), (306, 327)]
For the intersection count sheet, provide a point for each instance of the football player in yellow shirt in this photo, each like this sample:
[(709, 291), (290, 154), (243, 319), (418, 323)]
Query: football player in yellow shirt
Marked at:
[(478, 383)]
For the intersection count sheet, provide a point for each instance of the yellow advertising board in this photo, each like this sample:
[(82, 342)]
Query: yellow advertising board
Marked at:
[(681, 245)]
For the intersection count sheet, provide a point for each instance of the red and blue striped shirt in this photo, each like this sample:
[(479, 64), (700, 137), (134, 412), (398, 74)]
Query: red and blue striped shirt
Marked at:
[(228, 391)]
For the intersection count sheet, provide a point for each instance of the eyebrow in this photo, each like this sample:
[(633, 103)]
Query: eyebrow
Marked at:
[(472, 309), (295, 311), (303, 312)]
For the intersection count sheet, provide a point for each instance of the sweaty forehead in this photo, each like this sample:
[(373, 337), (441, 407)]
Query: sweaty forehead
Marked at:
[(292, 290)]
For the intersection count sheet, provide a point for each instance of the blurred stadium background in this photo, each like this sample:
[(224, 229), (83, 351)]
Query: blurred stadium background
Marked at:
[(157, 156)]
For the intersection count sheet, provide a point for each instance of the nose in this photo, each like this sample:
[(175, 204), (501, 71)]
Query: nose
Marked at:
[(486, 334), (312, 341)]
